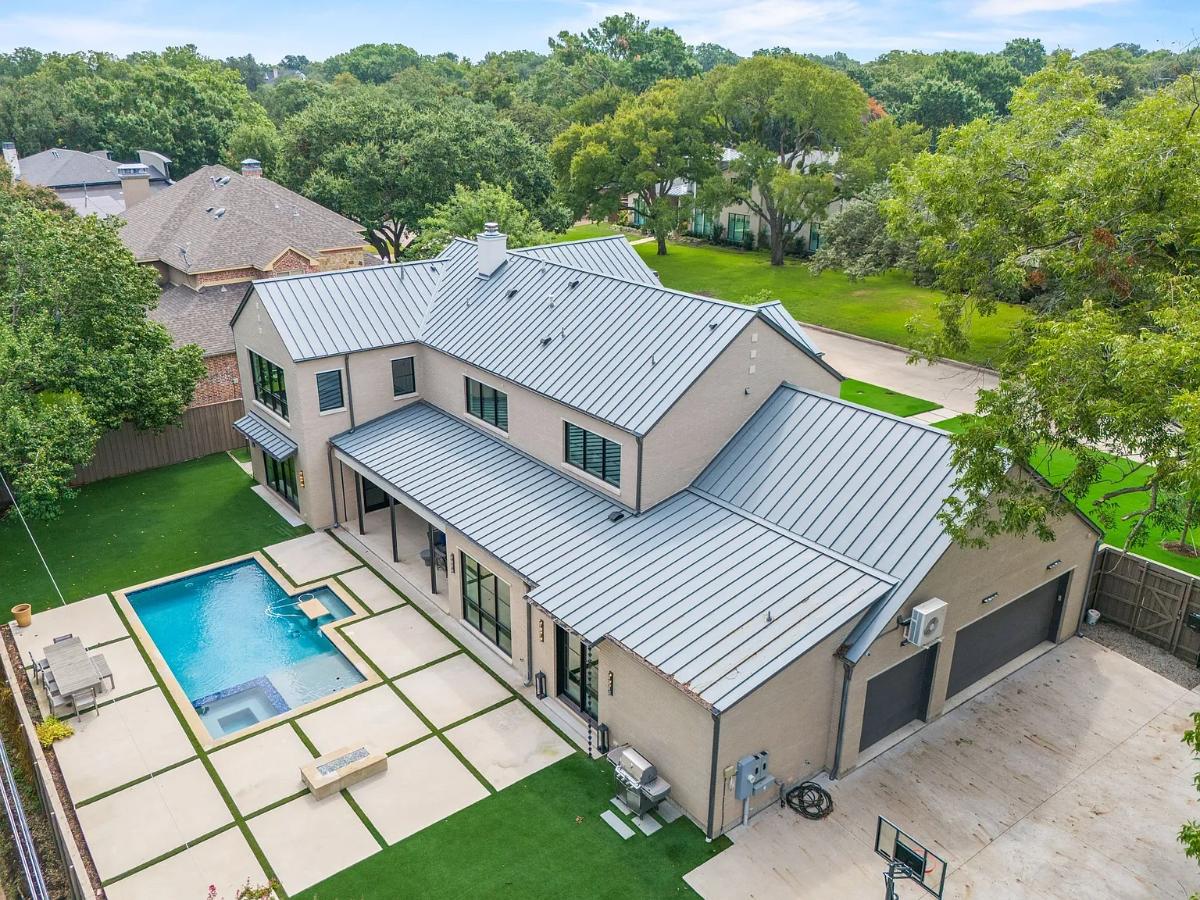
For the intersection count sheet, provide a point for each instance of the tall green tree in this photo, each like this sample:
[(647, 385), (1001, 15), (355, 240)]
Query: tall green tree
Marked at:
[(787, 117), (653, 142), (387, 164), (466, 212), (637, 54), (78, 354), (372, 63)]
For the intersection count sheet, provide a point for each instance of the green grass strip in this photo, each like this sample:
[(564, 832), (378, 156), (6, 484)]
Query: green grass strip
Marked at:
[(175, 852), (367, 823), (311, 747), (136, 781)]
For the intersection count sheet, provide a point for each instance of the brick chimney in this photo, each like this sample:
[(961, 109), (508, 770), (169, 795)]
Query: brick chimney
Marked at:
[(135, 183), (11, 160), (491, 248), (252, 168)]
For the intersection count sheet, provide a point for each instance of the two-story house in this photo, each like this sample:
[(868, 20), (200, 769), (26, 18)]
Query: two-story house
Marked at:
[(650, 505)]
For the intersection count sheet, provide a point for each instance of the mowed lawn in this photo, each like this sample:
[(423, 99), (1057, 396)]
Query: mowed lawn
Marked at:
[(1057, 465), (123, 531), (541, 839), (884, 399), (878, 307), (587, 230)]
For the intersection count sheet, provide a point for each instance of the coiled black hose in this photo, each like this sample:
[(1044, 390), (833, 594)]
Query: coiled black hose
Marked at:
[(810, 800)]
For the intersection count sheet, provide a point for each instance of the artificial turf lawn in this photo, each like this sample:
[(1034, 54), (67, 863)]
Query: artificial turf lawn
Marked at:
[(241, 454), (883, 399), (1055, 466), (123, 531), (878, 307), (540, 838)]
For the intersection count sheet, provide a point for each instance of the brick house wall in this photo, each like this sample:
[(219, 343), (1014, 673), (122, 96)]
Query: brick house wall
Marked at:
[(221, 383)]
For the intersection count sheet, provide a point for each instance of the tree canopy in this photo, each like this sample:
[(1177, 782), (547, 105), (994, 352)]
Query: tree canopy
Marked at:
[(465, 213), (78, 354)]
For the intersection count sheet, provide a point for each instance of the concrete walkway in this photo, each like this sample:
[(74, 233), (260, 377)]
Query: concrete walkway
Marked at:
[(1068, 779), (953, 385)]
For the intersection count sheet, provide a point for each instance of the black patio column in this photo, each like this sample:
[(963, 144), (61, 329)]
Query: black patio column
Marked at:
[(358, 498), (392, 516), (432, 562)]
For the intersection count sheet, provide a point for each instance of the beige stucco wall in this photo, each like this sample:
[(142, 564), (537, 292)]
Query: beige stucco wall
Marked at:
[(703, 420), (1011, 567)]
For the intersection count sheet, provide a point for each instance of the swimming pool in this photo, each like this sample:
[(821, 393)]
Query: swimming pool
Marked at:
[(239, 645)]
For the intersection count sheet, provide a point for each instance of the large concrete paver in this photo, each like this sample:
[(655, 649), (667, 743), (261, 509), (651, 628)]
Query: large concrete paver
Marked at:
[(150, 818), (399, 640), (225, 860), (313, 556), (375, 593), (263, 769), (1065, 779), (93, 620), (508, 744), (452, 690), (124, 741), (307, 840), (377, 718), (423, 784)]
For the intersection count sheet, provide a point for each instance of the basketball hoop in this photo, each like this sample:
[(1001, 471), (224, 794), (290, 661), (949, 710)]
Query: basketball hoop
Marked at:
[(908, 859)]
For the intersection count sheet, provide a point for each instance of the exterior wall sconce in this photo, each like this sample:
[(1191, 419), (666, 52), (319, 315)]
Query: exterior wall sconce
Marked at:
[(300, 478), (541, 631), (1054, 565), (990, 597), (450, 559), (610, 682)]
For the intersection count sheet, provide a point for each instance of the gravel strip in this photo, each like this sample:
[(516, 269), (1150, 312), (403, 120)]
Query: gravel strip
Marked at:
[(1114, 637)]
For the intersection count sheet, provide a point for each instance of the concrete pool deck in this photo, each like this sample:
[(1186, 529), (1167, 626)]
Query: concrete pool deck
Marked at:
[(165, 813)]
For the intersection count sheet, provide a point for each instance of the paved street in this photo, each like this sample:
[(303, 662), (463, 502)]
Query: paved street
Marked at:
[(951, 385)]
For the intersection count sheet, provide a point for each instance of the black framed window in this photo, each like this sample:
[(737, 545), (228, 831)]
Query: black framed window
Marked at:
[(404, 376), (578, 672), (281, 478), (595, 455), (487, 403), (485, 603), (329, 390), (269, 387)]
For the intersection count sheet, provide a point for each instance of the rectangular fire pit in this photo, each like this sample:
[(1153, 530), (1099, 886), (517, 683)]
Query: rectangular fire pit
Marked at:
[(330, 773)]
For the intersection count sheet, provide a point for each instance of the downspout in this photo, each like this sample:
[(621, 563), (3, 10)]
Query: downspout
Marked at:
[(349, 388), (712, 778), (528, 641), (637, 504), (835, 771), (1088, 588), (333, 488)]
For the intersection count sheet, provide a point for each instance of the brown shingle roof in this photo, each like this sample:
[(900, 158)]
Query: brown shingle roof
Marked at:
[(261, 220), (199, 317)]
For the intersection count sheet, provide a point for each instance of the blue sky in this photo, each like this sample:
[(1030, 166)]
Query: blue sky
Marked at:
[(271, 28)]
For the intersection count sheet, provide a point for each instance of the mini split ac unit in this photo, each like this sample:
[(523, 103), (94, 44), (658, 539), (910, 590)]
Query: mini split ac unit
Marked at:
[(926, 623)]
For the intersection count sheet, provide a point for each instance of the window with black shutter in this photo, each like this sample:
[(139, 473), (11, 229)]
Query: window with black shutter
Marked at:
[(329, 390)]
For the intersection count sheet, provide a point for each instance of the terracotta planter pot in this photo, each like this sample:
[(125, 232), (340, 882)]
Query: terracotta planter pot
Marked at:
[(23, 613)]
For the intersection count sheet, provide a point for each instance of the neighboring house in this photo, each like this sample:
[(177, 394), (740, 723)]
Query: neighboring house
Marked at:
[(737, 220), (212, 233), (91, 182), (651, 503)]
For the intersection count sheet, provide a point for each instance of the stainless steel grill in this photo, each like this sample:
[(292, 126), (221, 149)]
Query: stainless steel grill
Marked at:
[(638, 781)]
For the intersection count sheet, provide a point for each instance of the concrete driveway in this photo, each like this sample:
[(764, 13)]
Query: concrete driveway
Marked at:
[(952, 385), (1066, 780)]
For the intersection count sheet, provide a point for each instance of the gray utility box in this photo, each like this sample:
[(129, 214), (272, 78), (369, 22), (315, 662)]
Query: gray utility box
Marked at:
[(751, 777)]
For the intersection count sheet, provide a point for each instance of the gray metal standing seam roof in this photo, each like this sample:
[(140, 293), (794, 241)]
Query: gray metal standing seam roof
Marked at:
[(622, 351), (273, 441), (605, 256), (713, 598)]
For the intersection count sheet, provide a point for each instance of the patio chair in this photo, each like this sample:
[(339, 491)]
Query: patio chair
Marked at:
[(103, 670), (63, 637), (58, 703), (39, 668), (83, 700)]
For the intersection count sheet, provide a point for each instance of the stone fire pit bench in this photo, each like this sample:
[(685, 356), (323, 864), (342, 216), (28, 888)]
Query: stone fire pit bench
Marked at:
[(330, 773)]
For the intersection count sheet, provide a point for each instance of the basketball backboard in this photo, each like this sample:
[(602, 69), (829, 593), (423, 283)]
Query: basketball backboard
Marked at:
[(914, 860)]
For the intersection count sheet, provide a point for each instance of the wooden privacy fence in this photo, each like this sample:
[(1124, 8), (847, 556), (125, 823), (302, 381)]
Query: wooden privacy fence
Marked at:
[(203, 430), (1150, 599)]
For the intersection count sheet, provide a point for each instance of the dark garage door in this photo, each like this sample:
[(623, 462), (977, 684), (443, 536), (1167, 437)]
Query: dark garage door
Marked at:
[(986, 645), (896, 697)]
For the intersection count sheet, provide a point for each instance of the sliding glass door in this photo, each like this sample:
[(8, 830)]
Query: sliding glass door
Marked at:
[(485, 603), (281, 478)]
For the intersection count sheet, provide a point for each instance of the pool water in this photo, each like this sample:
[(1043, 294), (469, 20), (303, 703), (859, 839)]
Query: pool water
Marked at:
[(239, 646)]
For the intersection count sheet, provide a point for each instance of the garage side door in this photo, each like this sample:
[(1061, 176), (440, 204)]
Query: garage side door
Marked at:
[(896, 697), (986, 645)]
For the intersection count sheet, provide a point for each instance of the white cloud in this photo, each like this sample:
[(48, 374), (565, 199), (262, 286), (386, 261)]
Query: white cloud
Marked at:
[(1003, 9), (113, 34)]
